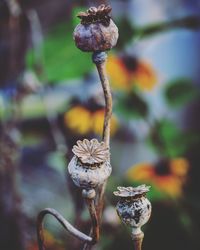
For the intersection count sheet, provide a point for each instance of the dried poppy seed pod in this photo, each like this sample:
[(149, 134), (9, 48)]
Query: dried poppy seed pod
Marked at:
[(134, 209), (90, 165), (97, 31)]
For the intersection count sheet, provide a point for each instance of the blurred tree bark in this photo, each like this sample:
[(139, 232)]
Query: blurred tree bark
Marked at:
[(14, 29)]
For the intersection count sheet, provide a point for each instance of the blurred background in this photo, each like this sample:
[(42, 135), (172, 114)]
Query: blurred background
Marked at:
[(50, 96)]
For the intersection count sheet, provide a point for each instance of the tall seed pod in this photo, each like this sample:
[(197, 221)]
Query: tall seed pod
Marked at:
[(134, 209), (89, 168), (96, 32)]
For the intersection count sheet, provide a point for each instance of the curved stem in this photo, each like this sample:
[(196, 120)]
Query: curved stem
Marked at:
[(94, 232), (99, 58), (72, 230), (94, 218)]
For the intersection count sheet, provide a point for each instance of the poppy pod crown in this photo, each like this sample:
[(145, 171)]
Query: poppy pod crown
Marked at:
[(132, 192), (96, 32), (91, 153), (94, 15)]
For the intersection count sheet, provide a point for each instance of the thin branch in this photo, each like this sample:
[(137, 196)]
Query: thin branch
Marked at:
[(72, 230), (89, 197), (99, 58), (93, 215)]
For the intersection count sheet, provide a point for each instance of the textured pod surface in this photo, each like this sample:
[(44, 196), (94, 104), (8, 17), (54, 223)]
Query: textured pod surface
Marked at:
[(85, 177), (96, 36), (134, 212)]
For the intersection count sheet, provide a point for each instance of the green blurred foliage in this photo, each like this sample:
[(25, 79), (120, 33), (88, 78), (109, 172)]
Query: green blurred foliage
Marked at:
[(180, 92), (171, 141), (60, 54), (131, 106)]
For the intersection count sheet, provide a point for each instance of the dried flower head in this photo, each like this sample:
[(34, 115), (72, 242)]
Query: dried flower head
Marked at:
[(93, 15), (133, 208), (91, 152), (133, 192), (96, 32), (90, 165)]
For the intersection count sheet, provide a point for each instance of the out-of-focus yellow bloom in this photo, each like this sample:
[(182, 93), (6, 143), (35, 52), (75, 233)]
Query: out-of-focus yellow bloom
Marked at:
[(140, 172), (179, 167), (119, 76), (169, 184), (83, 121), (98, 119), (78, 119), (170, 180), (144, 77), (124, 76)]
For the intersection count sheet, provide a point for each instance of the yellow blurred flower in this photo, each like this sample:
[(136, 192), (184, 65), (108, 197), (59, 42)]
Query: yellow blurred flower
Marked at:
[(169, 176), (118, 74), (78, 119), (83, 121), (98, 119), (127, 71), (144, 77), (170, 185), (140, 172), (179, 167)]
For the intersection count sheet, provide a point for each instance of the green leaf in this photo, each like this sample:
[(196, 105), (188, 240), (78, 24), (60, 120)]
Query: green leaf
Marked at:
[(62, 60), (132, 106), (180, 92), (170, 141)]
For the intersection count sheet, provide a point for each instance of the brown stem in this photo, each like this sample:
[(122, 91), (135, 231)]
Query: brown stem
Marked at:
[(89, 197), (95, 225), (99, 58), (137, 240), (72, 230)]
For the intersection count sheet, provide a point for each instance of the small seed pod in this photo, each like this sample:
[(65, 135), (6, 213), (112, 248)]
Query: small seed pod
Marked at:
[(97, 31), (90, 165), (133, 208)]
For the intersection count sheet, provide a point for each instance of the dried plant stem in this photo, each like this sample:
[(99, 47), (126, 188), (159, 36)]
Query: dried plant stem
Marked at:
[(137, 240), (100, 202), (72, 230), (95, 224), (99, 58)]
